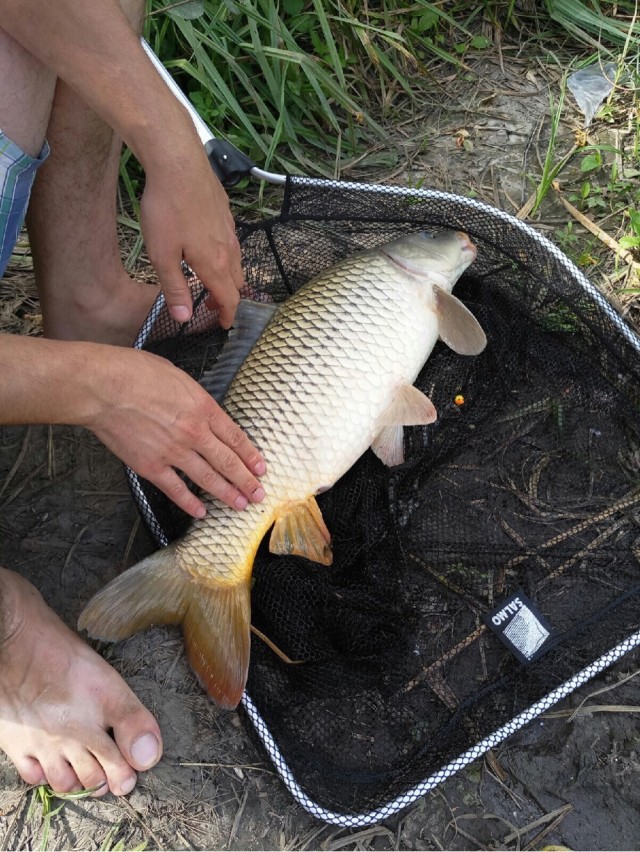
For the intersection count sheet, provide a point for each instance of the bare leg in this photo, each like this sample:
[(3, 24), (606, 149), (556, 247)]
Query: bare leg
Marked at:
[(59, 699), (85, 292)]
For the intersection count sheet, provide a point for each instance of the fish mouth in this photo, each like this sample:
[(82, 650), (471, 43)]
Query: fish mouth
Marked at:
[(467, 246)]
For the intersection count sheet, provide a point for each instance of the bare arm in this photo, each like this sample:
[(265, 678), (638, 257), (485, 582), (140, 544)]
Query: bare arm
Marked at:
[(185, 210), (121, 395)]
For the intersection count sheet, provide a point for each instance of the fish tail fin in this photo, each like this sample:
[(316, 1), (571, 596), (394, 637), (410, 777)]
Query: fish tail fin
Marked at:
[(217, 635), (154, 591), (216, 619)]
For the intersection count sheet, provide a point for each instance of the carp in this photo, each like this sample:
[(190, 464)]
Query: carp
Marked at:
[(329, 374)]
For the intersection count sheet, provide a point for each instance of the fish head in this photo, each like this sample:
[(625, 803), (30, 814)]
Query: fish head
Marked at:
[(440, 259)]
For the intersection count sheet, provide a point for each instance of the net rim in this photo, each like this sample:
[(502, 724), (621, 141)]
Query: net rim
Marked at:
[(423, 787)]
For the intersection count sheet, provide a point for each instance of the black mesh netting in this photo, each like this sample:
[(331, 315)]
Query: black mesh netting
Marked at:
[(531, 484)]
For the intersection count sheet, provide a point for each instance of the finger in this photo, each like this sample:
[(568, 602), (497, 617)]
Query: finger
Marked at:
[(219, 482), (232, 436), (223, 293), (174, 286), (175, 489)]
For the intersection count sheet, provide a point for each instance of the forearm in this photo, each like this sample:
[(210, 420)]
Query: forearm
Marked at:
[(94, 49), (48, 381)]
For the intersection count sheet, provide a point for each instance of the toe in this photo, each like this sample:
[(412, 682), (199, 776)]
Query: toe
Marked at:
[(60, 776), (30, 770), (90, 773), (138, 736)]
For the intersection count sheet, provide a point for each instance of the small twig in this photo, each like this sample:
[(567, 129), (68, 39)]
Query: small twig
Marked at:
[(359, 836), (18, 810), (238, 817), (425, 673), (597, 231), (589, 711), (18, 461), (275, 649), (130, 540), (253, 767), (33, 475), (558, 814), (607, 688), (72, 550), (144, 825)]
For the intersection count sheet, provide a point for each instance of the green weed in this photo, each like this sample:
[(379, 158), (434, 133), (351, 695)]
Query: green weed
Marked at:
[(45, 797)]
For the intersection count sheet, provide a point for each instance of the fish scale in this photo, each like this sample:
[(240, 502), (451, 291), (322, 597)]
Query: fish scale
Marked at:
[(330, 376)]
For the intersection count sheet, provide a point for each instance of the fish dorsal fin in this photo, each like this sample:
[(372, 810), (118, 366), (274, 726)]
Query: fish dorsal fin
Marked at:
[(458, 327), (301, 531), (410, 407), (250, 321)]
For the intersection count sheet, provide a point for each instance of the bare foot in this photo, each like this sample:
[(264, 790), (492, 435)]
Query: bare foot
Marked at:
[(59, 701)]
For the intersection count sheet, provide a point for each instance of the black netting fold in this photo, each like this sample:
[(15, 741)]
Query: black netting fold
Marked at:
[(531, 484)]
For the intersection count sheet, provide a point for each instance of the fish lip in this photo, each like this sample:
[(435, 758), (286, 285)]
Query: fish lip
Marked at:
[(467, 245)]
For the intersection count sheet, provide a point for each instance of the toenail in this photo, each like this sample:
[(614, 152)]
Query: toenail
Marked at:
[(127, 786), (145, 751)]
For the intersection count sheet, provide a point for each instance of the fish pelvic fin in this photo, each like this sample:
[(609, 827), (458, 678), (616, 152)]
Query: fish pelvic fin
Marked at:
[(410, 407), (458, 327), (215, 618), (300, 530)]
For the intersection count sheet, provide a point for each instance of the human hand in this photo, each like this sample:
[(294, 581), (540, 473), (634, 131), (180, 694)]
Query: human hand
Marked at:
[(156, 418), (185, 215)]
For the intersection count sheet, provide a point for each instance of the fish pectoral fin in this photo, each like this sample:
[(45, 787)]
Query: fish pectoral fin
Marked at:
[(217, 635), (410, 407), (458, 327), (152, 592), (299, 530)]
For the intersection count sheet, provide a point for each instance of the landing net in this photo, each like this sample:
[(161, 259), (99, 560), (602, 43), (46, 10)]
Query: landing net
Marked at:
[(484, 579)]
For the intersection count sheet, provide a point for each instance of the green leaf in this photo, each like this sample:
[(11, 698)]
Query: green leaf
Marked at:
[(479, 42), (591, 161), (189, 10), (292, 7)]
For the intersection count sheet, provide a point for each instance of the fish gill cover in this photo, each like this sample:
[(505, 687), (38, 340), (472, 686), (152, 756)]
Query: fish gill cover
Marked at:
[(527, 483)]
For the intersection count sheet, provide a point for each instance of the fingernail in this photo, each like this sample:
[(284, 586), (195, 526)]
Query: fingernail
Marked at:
[(180, 313), (145, 751), (258, 495), (260, 468), (241, 502), (201, 512), (127, 786)]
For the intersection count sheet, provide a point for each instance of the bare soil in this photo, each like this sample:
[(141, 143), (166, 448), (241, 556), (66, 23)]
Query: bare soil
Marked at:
[(68, 523)]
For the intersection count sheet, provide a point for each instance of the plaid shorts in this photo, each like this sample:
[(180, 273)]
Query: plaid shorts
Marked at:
[(17, 173)]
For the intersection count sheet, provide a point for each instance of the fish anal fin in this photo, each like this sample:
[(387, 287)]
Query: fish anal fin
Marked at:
[(389, 445), (217, 635), (458, 327), (152, 592), (300, 530)]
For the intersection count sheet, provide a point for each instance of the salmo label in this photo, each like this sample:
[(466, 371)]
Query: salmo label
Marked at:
[(520, 625)]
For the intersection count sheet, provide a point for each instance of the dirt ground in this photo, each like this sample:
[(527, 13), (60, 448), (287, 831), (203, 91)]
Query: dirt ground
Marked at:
[(68, 523)]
